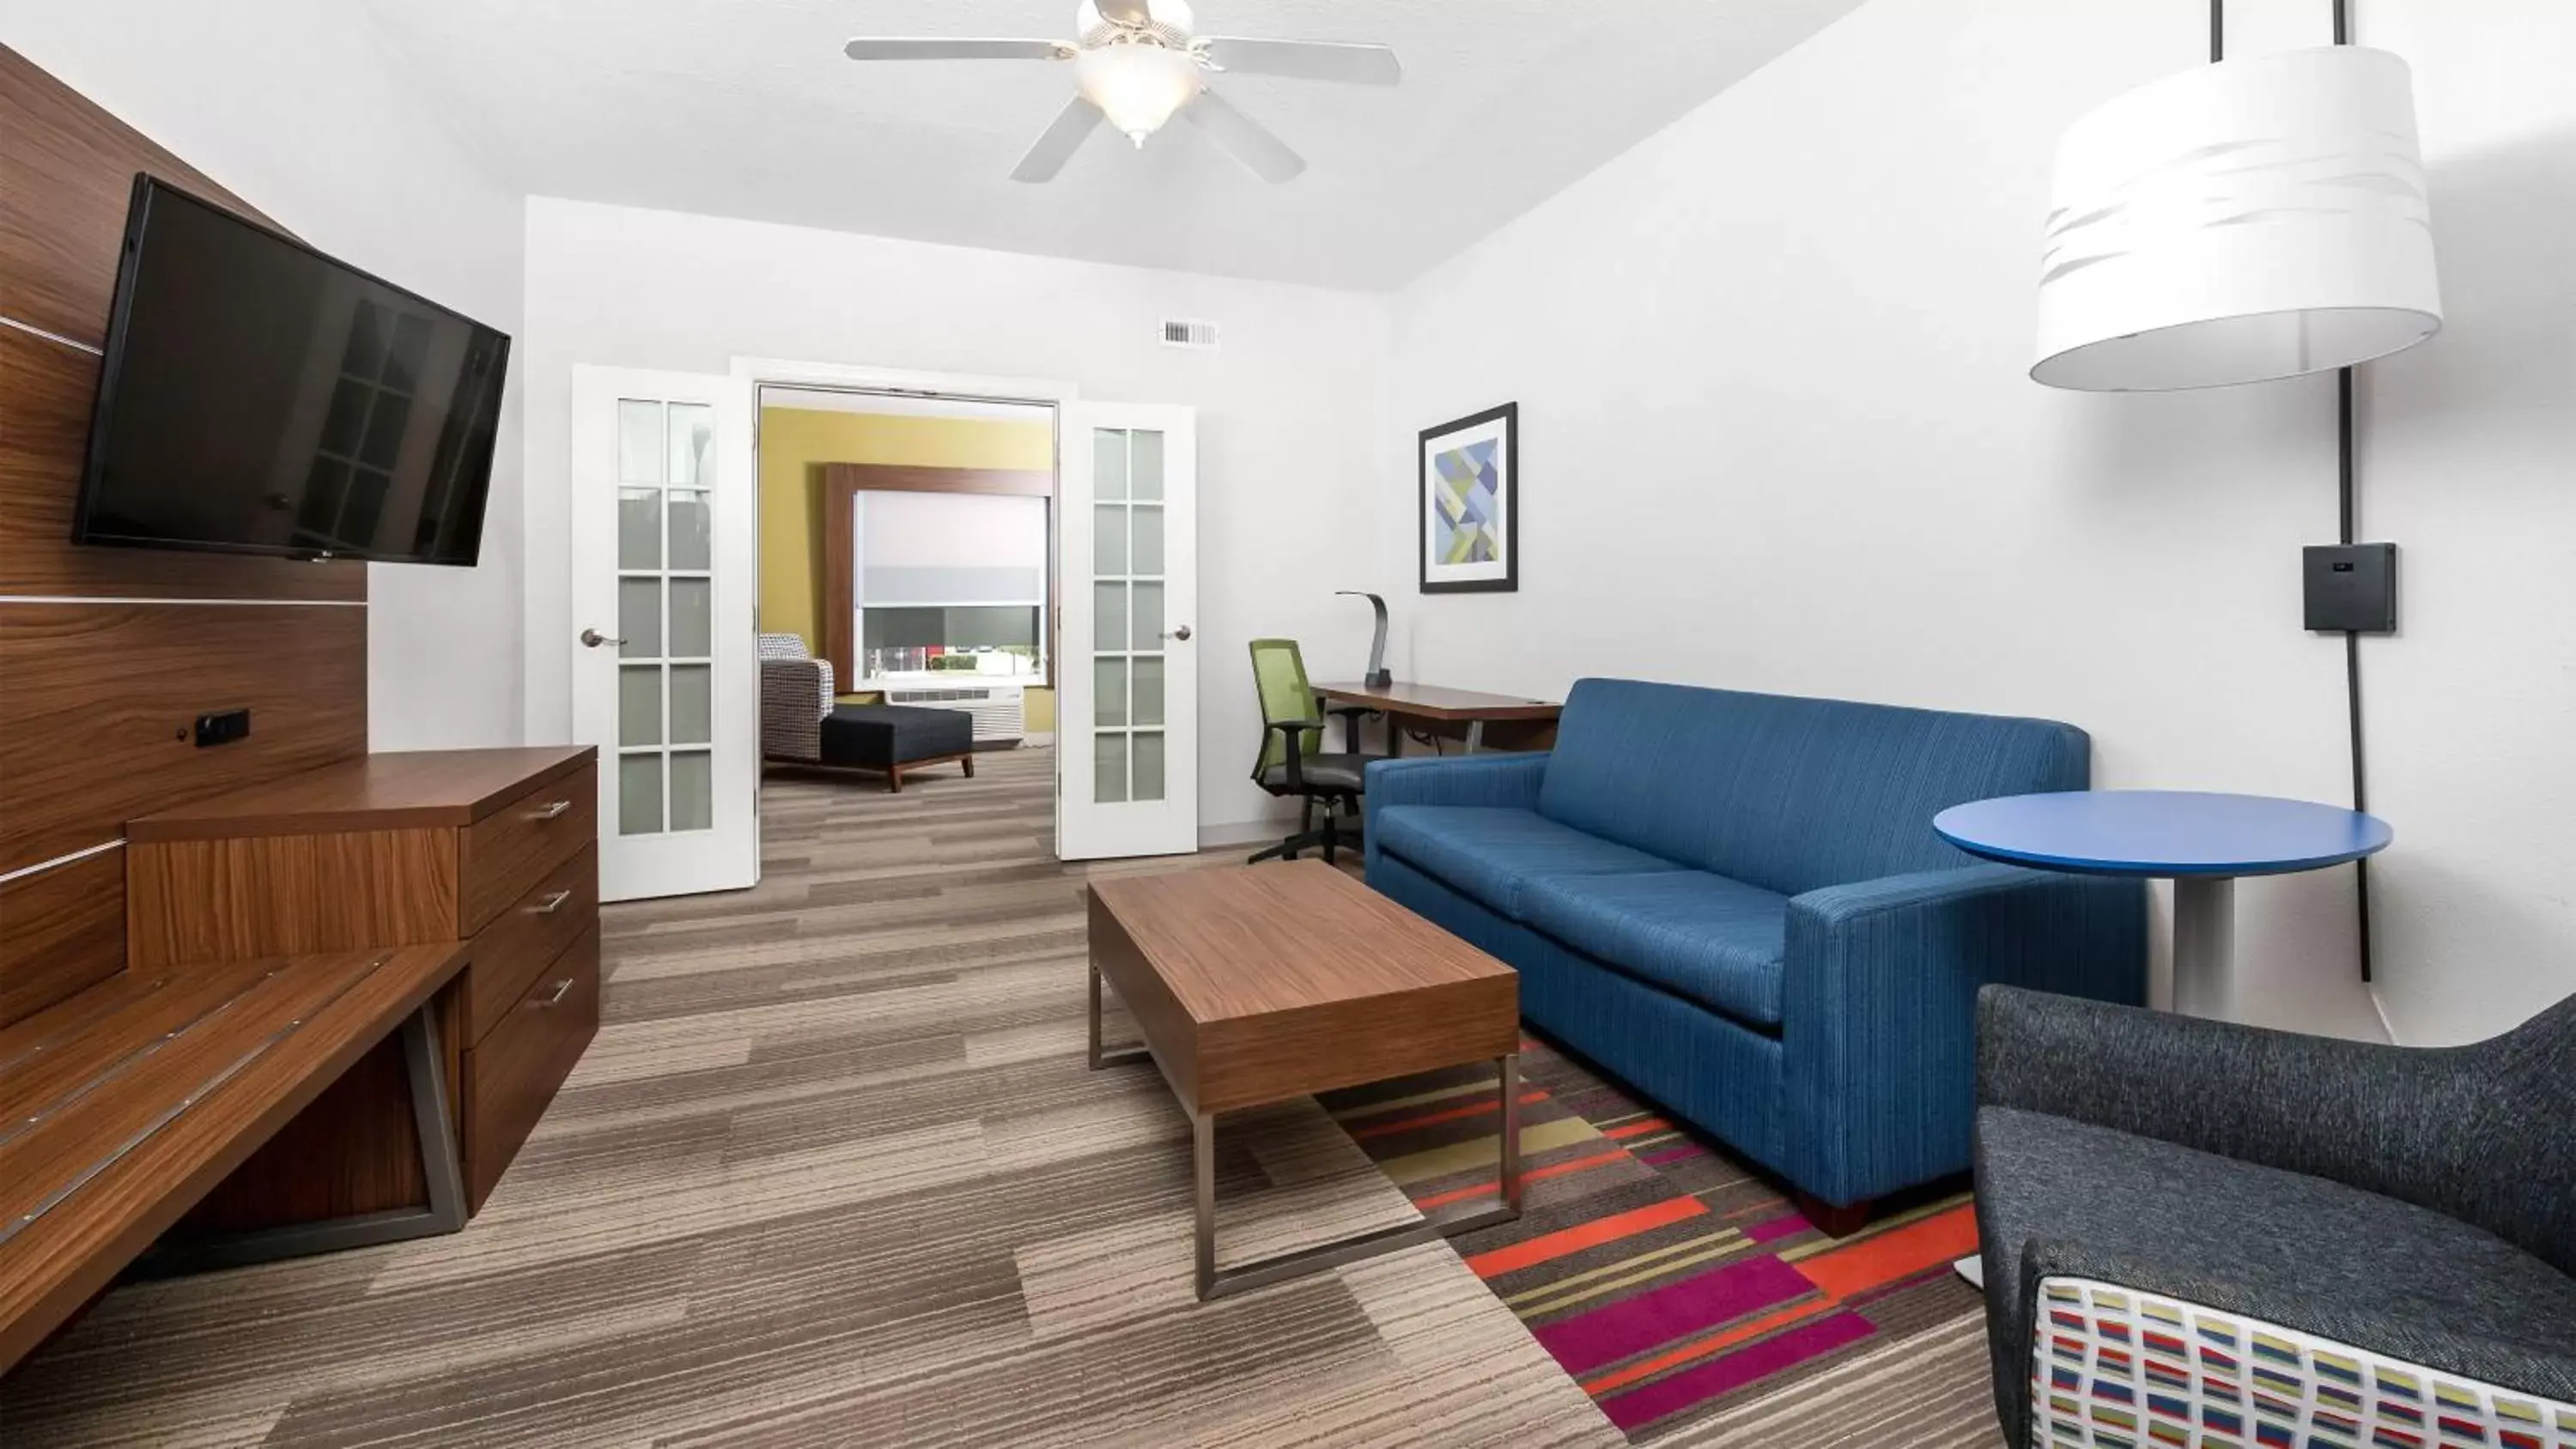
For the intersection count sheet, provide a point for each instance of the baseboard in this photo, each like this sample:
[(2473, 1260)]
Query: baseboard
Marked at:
[(1034, 741), (1246, 832)]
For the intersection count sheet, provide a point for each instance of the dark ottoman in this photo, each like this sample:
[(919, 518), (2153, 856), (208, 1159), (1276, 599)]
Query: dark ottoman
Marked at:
[(893, 738)]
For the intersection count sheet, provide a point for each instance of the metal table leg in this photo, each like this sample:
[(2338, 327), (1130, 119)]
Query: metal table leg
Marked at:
[(1447, 1222), (1475, 735), (1114, 1056)]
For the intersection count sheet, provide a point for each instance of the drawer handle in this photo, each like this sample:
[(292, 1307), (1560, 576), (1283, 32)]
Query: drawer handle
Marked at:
[(562, 988), (550, 904), (550, 810)]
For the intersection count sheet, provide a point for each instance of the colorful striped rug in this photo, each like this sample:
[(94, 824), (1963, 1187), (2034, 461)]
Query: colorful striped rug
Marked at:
[(1668, 1279)]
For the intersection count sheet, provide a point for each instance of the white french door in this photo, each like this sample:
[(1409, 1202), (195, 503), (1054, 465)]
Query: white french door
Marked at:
[(1127, 671), (664, 676)]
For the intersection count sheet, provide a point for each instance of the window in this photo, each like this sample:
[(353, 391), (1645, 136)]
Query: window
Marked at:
[(950, 584)]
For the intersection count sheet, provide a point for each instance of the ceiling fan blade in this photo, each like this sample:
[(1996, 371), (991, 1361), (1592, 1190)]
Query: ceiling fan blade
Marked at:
[(1323, 60), (868, 47), (1244, 138), (1126, 12), (1072, 126)]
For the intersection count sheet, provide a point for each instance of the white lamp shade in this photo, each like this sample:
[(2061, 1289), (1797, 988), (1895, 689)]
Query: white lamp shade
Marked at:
[(2252, 219)]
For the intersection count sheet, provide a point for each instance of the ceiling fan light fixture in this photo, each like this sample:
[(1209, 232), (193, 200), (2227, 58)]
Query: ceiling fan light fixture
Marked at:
[(1137, 85)]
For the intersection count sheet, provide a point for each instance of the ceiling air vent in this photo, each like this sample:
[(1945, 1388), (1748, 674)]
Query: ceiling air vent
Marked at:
[(1186, 332)]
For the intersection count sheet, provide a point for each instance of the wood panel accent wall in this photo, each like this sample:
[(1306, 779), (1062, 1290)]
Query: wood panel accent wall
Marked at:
[(107, 655), (843, 481)]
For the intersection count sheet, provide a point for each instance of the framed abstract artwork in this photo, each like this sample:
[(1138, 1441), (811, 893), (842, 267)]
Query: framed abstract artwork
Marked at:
[(1469, 481)]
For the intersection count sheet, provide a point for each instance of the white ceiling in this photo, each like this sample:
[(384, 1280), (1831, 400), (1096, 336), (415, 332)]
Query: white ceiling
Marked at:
[(746, 108)]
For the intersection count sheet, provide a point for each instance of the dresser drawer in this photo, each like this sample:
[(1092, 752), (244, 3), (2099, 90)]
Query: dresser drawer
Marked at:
[(521, 942), (512, 1073), (503, 855)]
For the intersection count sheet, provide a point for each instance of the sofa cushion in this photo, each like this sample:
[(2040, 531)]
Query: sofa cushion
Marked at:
[(1784, 793), (1701, 937), (1490, 853), (2287, 1248)]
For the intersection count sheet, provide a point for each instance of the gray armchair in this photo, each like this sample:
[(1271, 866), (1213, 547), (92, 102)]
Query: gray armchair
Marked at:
[(795, 695), (2270, 1238)]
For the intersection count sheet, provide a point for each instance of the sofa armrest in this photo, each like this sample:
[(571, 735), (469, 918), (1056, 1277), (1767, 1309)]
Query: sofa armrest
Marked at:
[(1878, 1007), (1499, 781), (795, 694), (1506, 781), (2460, 1130)]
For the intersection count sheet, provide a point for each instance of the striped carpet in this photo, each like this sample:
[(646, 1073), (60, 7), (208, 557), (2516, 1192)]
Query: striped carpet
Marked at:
[(1683, 1293), (834, 1174)]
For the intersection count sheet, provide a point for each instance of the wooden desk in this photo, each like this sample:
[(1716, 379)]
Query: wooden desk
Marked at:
[(1524, 724)]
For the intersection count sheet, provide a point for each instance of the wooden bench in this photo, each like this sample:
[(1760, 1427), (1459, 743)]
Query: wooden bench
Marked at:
[(124, 1104)]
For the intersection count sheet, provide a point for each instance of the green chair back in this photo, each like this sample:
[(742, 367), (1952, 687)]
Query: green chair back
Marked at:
[(1280, 673)]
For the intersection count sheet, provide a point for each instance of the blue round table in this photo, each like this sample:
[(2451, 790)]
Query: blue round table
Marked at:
[(2201, 842)]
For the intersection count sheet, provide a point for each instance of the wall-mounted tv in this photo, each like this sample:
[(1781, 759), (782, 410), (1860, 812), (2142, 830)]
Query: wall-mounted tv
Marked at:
[(258, 397)]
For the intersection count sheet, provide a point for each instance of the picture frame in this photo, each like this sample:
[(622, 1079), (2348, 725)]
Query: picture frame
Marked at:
[(1467, 503)]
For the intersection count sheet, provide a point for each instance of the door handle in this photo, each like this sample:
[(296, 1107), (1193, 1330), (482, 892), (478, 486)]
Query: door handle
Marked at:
[(1178, 631), (592, 639)]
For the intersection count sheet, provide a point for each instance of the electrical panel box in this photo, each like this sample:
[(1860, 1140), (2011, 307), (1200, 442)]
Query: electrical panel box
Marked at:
[(2351, 588)]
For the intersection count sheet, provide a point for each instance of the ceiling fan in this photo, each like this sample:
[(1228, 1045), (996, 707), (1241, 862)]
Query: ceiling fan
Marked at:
[(1137, 64)]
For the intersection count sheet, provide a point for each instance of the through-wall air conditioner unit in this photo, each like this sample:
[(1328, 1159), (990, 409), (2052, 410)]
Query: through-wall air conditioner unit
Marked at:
[(996, 708)]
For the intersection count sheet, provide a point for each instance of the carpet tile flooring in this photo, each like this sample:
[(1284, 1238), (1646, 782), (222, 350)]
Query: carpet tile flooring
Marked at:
[(1680, 1290), (834, 1174)]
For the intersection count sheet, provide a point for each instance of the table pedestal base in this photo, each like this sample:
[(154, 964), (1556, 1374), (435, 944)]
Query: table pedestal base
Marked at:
[(2204, 947)]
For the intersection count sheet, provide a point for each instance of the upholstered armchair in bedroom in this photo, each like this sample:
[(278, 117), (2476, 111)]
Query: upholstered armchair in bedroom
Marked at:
[(2201, 1233), (795, 695)]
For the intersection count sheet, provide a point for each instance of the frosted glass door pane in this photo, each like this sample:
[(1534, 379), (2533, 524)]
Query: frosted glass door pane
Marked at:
[(1109, 686), (639, 618), (1110, 626), (639, 442), (639, 795), (1145, 473), (1147, 558), (1109, 767), (1149, 618), (1149, 689), (1109, 539), (1109, 463), (692, 618), (639, 704), (693, 794), (639, 528), (689, 537), (692, 704), (1149, 765), (693, 436)]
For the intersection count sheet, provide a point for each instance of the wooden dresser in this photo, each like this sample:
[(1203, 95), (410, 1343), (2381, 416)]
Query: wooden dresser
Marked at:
[(498, 848)]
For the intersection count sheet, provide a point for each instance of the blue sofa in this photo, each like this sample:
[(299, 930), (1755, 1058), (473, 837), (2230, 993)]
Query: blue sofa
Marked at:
[(1736, 903)]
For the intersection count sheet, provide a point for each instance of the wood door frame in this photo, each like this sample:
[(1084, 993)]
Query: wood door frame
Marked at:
[(843, 482)]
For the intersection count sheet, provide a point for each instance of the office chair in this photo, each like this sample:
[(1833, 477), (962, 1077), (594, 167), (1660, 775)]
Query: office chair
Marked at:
[(1292, 759)]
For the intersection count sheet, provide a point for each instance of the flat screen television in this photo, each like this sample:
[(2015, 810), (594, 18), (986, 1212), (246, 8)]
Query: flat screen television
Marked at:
[(258, 397)]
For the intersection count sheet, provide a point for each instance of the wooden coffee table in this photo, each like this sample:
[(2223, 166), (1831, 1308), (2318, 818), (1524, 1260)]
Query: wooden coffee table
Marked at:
[(1266, 983)]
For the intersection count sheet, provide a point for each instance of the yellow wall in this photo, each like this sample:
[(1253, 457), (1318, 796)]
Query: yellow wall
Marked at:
[(796, 442)]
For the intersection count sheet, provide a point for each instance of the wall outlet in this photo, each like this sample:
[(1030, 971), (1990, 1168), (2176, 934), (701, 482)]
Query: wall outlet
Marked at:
[(222, 728)]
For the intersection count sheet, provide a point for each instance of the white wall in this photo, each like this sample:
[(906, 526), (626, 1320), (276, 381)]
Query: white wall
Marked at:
[(296, 107), (2468, 461), (1771, 367), (1290, 408)]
